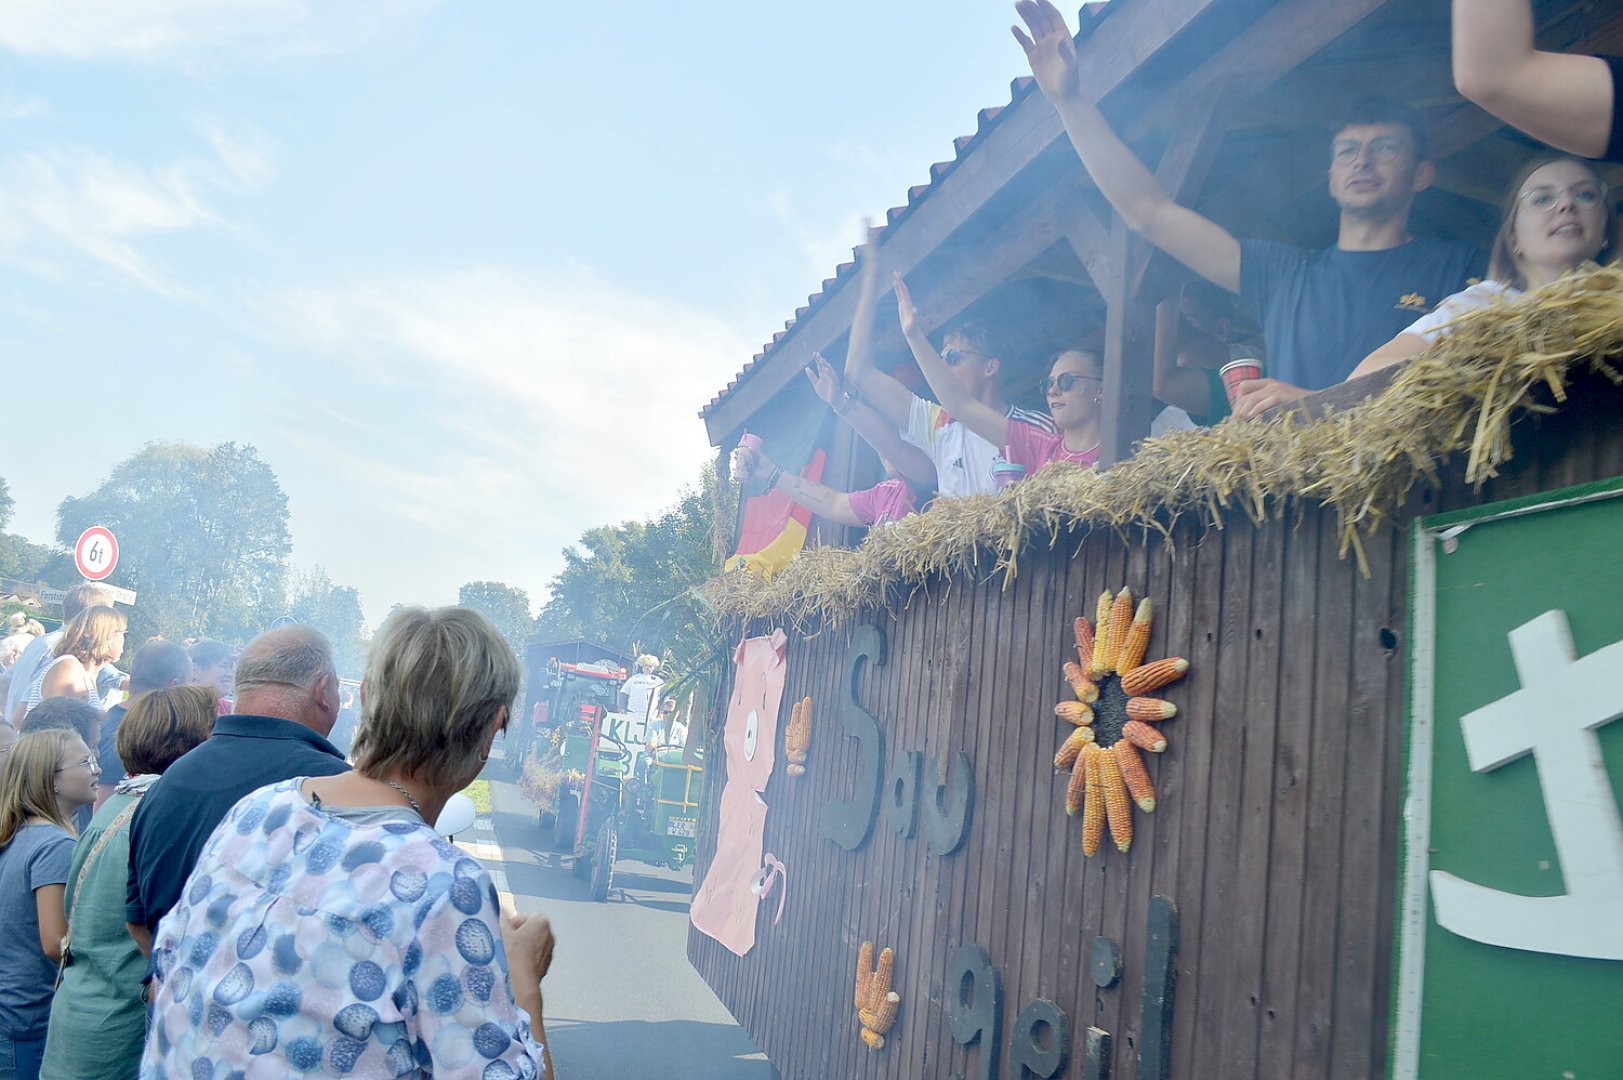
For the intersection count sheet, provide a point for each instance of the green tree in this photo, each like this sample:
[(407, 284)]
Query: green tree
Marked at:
[(335, 610), (507, 605), (203, 537), (635, 586), (18, 558)]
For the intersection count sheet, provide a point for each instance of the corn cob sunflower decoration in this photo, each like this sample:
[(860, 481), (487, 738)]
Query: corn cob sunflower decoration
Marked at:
[(876, 1001), (1115, 718)]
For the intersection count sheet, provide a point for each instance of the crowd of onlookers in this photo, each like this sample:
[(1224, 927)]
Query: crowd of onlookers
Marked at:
[(1379, 296), (192, 888)]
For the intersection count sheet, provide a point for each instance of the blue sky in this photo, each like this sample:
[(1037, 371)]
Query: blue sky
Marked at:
[(464, 271)]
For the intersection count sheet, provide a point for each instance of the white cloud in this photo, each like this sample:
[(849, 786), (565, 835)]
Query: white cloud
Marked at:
[(205, 31), (494, 415), (14, 110), (65, 207)]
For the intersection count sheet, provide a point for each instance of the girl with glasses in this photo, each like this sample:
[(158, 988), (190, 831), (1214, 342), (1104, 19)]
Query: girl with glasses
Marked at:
[(47, 775), (1558, 217)]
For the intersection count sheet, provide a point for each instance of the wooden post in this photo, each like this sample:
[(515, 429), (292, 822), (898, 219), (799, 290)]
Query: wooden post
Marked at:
[(1129, 354)]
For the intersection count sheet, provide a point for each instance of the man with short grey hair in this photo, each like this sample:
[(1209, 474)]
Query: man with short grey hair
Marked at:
[(40, 651), (287, 703)]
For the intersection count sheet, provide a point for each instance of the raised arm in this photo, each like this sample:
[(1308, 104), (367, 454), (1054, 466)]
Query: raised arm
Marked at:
[(968, 410), (820, 499), (1563, 100), (1200, 244), (888, 397), (887, 442)]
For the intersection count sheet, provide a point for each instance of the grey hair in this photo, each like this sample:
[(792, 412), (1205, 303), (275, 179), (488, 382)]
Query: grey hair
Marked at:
[(435, 682), (293, 656)]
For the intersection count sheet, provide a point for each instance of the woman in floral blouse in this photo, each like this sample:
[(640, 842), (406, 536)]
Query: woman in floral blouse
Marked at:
[(327, 928)]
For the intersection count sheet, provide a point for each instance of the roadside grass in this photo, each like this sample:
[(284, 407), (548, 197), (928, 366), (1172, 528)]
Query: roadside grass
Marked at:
[(479, 792)]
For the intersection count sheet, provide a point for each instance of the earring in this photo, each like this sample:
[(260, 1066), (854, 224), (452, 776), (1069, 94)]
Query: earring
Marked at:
[(1099, 400), (484, 757)]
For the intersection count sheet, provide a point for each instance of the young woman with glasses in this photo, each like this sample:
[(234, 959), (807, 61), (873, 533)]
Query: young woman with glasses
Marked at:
[(1557, 219), (47, 775)]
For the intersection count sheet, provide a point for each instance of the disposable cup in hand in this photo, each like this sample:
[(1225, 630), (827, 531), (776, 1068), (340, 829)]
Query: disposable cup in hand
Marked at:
[(1236, 372)]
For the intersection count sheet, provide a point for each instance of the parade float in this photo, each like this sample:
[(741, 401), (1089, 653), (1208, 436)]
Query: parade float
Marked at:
[(1333, 792)]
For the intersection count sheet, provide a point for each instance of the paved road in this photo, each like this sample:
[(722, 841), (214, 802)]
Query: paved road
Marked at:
[(622, 999)]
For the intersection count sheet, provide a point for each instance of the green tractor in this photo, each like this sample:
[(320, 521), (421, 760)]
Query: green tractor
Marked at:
[(617, 801)]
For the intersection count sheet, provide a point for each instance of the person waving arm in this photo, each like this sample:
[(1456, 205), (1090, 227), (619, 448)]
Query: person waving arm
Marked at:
[(1199, 243), (1566, 101), (962, 405)]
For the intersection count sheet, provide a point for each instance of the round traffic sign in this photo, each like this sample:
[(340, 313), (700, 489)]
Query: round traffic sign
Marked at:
[(96, 553)]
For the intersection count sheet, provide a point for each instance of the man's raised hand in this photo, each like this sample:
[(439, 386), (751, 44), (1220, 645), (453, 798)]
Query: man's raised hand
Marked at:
[(1051, 50), (906, 310), (823, 378)]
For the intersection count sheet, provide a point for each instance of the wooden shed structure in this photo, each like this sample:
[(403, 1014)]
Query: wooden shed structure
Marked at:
[(1251, 931)]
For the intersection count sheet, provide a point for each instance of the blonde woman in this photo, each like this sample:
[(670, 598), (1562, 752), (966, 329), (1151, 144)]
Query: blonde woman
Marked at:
[(98, 1020), (46, 777), (327, 926), (92, 640)]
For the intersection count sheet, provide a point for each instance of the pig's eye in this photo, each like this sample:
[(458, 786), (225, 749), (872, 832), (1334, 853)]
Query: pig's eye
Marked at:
[(752, 731)]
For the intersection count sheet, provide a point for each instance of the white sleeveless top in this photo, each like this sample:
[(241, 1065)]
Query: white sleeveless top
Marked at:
[(36, 691)]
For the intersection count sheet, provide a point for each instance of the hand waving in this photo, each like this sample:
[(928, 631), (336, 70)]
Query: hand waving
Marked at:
[(823, 378), (1050, 49), (906, 310)]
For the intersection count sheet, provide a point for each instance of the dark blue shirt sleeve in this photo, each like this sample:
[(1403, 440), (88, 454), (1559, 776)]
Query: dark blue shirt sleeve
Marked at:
[(1614, 147)]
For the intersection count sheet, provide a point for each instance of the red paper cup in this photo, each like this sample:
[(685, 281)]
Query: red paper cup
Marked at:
[(1236, 372), (751, 441)]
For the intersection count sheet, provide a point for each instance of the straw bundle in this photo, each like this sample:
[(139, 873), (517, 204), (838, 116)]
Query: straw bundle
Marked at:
[(1461, 395)]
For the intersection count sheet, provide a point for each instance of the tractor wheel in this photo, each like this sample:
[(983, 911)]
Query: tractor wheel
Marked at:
[(608, 842), (566, 825)]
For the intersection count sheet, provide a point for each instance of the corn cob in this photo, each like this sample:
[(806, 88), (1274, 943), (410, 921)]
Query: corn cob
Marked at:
[(1073, 746), (1138, 639), (1136, 778), (1148, 677), (1084, 690), (1118, 810), (797, 737), (1102, 652), (1084, 641), (882, 977), (872, 1039), (1121, 616), (1074, 712), (885, 1015), (1143, 736), (1151, 709), (1093, 812), (1077, 786), (864, 973)]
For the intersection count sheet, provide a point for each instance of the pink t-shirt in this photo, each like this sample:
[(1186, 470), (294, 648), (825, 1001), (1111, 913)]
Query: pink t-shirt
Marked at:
[(885, 501), (1034, 448)]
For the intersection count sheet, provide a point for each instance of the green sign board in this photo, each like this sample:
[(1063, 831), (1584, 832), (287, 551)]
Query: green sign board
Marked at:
[(1510, 931)]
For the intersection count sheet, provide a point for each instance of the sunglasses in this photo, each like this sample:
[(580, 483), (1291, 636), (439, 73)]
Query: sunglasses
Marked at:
[(1065, 383), (954, 357)]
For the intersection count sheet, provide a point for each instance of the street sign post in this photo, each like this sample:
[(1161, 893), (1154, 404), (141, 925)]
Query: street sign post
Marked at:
[(95, 554)]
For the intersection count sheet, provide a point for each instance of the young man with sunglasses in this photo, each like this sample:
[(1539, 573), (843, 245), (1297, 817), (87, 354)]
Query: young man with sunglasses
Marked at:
[(1571, 102), (1322, 311), (962, 457), (1074, 389)]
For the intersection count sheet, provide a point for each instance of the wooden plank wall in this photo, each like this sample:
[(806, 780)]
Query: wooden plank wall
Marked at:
[(1275, 835)]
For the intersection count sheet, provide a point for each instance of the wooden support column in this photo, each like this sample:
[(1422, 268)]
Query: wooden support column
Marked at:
[(1129, 353)]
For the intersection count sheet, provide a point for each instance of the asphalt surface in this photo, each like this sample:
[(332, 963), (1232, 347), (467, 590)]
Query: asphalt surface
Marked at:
[(621, 1000)]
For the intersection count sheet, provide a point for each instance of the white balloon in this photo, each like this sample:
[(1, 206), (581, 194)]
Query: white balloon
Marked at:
[(458, 815)]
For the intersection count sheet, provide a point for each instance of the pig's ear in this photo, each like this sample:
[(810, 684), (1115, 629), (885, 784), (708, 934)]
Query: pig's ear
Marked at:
[(738, 653), (780, 645)]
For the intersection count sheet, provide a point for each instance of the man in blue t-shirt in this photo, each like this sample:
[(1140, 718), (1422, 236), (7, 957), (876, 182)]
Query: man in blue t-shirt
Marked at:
[(1321, 311)]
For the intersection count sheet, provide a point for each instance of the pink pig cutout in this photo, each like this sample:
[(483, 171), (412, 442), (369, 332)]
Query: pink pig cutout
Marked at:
[(724, 905)]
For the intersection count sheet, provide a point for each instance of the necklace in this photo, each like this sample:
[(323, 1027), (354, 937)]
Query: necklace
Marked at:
[(402, 789)]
